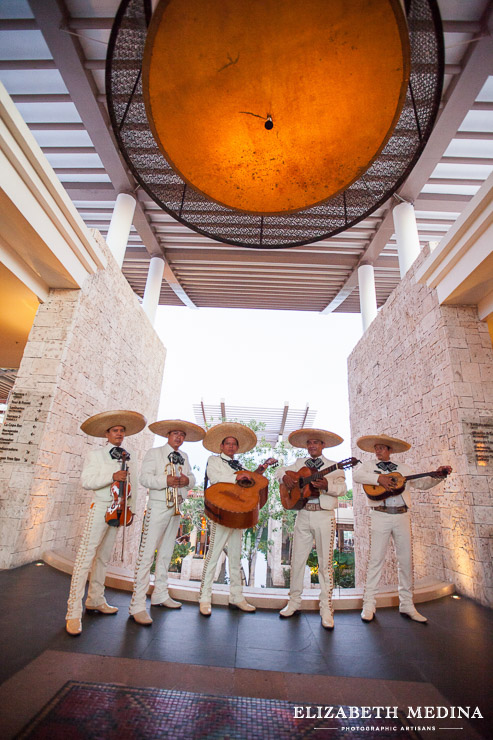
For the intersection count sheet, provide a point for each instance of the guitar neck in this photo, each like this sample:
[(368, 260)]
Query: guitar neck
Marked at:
[(320, 473), (261, 469), (420, 475)]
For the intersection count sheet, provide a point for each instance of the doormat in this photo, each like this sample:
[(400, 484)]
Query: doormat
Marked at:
[(93, 711)]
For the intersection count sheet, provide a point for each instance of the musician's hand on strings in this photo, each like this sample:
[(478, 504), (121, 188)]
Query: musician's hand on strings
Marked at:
[(120, 476), (320, 485), (441, 472), (289, 482), (387, 482)]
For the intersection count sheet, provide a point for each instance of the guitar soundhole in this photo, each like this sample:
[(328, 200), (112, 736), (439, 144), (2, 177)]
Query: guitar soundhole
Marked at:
[(246, 483)]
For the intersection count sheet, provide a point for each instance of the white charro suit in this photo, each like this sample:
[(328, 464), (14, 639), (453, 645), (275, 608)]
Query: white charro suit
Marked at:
[(160, 526), (383, 526), (318, 525), (98, 538), (219, 471)]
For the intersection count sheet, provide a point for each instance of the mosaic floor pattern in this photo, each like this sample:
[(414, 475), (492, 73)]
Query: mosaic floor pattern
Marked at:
[(89, 711)]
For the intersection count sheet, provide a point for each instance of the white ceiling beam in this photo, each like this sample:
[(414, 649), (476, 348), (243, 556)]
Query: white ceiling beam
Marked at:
[(468, 161), (41, 98), (18, 65), (68, 150), (441, 202), (51, 17), (461, 26), (99, 23)]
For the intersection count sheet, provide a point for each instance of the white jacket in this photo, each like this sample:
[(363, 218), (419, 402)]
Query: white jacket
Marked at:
[(97, 473), (154, 477), (218, 470)]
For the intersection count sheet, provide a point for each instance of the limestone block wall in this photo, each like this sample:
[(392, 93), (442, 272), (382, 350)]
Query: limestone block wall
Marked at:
[(89, 350), (424, 373)]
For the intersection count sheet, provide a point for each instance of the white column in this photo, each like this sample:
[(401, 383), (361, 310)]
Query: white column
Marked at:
[(406, 232), (367, 295), (153, 287), (120, 225)]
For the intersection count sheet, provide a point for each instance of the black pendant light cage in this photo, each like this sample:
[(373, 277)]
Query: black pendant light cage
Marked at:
[(187, 205)]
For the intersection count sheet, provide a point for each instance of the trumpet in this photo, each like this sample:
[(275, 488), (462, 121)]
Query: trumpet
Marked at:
[(172, 493)]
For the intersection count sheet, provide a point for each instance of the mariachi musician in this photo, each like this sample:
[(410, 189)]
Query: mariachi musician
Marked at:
[(105, 470), (226, 440), (167, 473), (390, 516), (316, 520)]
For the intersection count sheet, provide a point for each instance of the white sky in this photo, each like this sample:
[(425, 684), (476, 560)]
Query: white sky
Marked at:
[(257, 358)]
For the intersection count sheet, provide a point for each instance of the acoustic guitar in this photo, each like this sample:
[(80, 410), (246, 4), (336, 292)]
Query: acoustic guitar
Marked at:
[(297, 497), (378, 493), (237, 505)]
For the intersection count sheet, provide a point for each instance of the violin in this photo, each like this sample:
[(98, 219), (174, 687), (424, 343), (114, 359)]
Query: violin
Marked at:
[(118, 512)]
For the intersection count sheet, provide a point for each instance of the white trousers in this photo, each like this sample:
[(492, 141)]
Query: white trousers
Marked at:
[(220, 536), (382, 527), (310, 525), (94, 554), (159, 533)]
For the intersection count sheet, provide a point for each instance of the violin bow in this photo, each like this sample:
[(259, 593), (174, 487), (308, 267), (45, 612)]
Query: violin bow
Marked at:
[(124, 515)]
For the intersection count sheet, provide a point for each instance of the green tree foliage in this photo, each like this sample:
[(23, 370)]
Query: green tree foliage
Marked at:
[(348, 496), (343, 565), (193, 510), (179, 553)]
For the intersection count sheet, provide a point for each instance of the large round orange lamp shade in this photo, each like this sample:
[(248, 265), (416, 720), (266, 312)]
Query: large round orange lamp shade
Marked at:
[(273, 123), (273, 106)]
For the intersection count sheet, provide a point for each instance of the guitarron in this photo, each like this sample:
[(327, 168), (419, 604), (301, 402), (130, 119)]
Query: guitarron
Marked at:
[(237, 505)]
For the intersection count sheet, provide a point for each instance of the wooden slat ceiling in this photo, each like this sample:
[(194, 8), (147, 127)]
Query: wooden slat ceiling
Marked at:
[(277, 423), (52, 63)]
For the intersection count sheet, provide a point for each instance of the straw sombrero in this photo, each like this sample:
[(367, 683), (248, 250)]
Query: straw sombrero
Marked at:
[(193, 432), (368, 442), (300, 437), (98, 425), (247, 439)]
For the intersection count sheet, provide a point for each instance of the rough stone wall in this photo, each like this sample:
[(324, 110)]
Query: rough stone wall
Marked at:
[(424, 373), (89, 350)]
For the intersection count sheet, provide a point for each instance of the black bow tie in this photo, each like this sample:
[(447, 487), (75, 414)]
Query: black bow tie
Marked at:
[(315, 464), (234, 464), (387, 467), (175, 458), (117, 452)]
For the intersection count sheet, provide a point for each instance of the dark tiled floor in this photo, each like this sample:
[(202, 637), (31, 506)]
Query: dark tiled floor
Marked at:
[(452, 652)]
